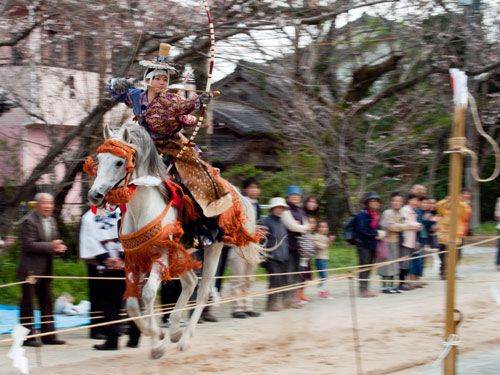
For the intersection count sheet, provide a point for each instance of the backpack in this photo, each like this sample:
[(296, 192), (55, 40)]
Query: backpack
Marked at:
[(349, 234)]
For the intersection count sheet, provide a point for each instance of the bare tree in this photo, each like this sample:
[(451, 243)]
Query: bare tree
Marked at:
[(372, 96)]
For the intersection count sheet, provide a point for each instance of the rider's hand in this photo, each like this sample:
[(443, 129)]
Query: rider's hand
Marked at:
[(205, 98), (120, 84)]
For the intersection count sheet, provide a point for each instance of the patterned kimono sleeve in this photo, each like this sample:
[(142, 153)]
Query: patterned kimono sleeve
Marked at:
[(186, 106), (188, 120)]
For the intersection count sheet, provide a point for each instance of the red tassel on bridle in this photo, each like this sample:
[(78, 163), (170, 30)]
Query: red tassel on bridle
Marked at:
[(90, 166)]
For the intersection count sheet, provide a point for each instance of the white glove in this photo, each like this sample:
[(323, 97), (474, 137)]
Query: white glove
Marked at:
[(120, 84), (380, 235)]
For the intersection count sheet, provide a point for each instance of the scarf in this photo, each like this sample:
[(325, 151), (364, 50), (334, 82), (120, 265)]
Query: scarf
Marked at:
[(374, 223)]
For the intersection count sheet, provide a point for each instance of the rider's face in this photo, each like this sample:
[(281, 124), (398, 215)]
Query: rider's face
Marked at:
[(159, 83)]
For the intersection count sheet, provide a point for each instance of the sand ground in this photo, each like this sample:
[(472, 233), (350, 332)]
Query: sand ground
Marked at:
[(398, 333)]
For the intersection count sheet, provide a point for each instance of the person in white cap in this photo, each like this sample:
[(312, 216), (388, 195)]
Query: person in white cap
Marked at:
[(277, 262)]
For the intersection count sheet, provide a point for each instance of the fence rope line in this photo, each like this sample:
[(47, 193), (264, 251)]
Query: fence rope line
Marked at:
[(16, 283), (381, 264), (49, 316), (354, 270), (266, 274), (261, 293), (171, 306), (479, 242), (49, 321), (430, 281)]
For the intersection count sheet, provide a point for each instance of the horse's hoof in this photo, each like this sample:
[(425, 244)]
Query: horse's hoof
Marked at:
[(157, 353), (183, 346), (175, 336)]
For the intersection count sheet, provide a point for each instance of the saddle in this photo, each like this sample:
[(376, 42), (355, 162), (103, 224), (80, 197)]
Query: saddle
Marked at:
[(199, 230)]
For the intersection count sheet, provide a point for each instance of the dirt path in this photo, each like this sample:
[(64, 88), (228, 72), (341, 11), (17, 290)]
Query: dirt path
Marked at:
[(397, 332)]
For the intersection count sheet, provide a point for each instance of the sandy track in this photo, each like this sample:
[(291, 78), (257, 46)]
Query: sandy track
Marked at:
[(397, 332)]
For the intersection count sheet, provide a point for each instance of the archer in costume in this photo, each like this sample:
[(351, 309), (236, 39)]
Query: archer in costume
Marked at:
[(163, 114)]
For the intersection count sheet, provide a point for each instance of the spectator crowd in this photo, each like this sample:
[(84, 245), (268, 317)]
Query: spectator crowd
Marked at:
[(411, 226), (298, 239)]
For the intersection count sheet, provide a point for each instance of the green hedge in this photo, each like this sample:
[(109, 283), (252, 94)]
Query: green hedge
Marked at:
[(11, 295)]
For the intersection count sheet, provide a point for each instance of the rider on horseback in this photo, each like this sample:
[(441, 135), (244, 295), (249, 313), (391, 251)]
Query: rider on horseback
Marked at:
[(163, 114)]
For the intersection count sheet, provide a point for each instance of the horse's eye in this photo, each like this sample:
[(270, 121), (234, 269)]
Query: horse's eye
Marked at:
[(119, 163)]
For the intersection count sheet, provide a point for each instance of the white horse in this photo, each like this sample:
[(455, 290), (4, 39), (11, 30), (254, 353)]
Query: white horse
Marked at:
[(146, 204)]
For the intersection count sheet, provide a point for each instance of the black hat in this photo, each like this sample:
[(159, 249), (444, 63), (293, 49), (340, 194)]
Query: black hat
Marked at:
[(371, 195)]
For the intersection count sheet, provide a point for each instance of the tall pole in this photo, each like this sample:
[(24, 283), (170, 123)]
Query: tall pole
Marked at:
[(456, 174), (472, 10)]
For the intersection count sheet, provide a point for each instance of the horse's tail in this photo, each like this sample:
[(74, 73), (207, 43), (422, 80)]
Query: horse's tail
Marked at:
[(254, 252)]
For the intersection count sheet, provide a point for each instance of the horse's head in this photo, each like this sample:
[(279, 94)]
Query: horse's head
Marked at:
[(116, 162), (128, 153)]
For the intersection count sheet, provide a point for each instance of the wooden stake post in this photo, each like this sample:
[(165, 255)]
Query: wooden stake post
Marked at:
[(456, 173)]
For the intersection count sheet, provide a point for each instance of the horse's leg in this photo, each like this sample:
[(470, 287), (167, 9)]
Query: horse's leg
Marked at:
[(210, 262), (149, 297), (134, 311), (188, 281)]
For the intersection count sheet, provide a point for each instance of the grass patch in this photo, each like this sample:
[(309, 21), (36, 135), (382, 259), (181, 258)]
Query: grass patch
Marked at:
[(342, 255), (12, 295), (488, 228)]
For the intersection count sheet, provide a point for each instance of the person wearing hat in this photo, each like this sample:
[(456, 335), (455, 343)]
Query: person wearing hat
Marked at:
[(277, 260), (367, 232), (163, 114), (295, 220)]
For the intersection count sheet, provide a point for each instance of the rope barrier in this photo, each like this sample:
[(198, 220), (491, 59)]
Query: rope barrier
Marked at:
[(266, 274), (354, 270), (12, 284), (258, 275), (348, 275), (430, 281), (50, 321), (263, 293), (479, 242), (48, 316), (171, 306)]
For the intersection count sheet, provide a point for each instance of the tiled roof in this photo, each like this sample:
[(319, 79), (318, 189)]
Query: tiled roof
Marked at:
[(241, 118)]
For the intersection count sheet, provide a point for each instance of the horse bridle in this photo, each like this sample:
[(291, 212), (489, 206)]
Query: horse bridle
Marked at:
[(117, 194)]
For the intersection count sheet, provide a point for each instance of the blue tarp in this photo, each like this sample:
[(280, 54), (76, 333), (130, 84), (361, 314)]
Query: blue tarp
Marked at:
[(9, 317)]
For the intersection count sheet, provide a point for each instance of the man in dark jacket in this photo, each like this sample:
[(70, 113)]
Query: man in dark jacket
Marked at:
[(40, 240), (367, 232)]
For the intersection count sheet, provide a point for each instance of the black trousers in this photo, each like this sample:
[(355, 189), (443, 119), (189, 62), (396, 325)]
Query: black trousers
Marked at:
[(292, 265), (96, 295), (443, 257), (110, 301), (42, 291), (365, 256), (170, 292), (276, 266)]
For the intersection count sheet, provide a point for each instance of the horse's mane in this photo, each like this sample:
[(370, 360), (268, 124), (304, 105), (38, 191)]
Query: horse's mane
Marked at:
[(146, 155)]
